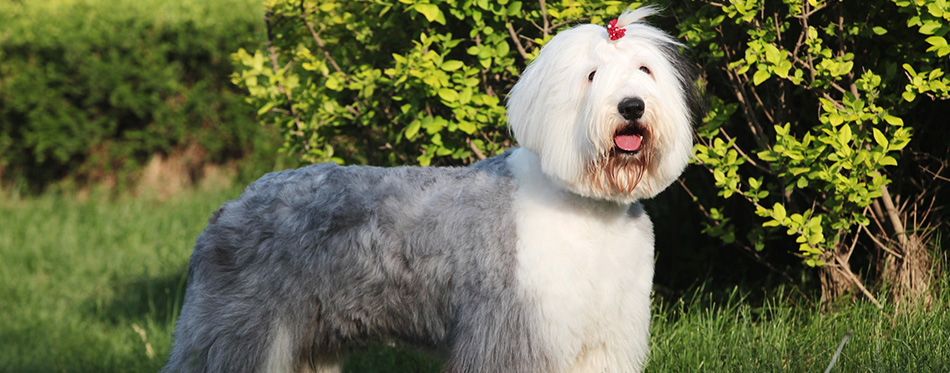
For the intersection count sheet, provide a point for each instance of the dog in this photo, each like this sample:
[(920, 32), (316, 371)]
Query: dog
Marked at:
[(539, 259)]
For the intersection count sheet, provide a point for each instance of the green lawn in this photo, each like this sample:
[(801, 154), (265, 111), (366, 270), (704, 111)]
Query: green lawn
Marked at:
[(95, 287), (696, 334)]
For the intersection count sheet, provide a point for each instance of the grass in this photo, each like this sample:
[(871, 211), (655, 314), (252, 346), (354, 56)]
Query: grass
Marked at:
[(702, 335), (96, 286), (93, 286)]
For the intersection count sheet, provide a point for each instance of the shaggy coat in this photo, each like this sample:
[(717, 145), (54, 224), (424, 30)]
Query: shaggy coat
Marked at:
[(316, 261), (536, 260)]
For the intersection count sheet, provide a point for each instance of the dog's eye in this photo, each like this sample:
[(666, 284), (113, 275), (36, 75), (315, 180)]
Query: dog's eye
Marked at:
[(591, 76), (646, 70)]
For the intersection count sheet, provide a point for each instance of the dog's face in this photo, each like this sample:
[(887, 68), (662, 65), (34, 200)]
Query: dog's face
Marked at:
[(609, 119)]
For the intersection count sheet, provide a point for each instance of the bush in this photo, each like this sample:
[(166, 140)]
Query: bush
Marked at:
[(805, 132), (90, 89), (405, 82)]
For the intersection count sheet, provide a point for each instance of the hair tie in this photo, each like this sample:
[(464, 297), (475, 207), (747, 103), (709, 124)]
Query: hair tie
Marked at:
[(613, 31)]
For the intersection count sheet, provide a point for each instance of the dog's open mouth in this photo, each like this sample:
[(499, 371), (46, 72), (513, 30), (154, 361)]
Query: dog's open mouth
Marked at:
[(629, 138)]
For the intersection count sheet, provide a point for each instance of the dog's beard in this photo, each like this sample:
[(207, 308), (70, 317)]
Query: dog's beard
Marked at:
[(618, 171)]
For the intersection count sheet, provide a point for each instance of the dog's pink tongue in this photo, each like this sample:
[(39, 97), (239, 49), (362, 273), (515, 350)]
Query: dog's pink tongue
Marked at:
[(630, 143)]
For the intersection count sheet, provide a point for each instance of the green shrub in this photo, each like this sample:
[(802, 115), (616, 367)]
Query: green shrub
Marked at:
[(405, 82), (805, 131), (90, 88)]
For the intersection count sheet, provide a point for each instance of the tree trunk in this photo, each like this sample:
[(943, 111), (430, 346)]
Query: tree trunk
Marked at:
[(908, 270), (910, 276), (834, 283), (837, 278)]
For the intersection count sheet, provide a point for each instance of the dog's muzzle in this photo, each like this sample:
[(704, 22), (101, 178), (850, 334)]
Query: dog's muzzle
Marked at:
[(629, 137)]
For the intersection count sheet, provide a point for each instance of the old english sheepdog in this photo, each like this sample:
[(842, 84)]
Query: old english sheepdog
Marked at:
[(536, 260)]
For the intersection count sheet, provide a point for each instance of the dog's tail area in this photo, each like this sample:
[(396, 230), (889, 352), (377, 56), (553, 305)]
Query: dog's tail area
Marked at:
[(221, 344), (219, 331), (223, 327)]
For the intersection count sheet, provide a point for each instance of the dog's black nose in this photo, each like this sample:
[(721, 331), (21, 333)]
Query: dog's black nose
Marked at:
[(631, 108)]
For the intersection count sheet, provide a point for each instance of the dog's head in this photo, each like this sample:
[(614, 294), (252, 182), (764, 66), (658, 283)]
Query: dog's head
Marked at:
[(607, 110)]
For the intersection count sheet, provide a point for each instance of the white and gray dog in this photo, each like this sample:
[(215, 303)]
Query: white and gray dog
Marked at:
[(536, 260)]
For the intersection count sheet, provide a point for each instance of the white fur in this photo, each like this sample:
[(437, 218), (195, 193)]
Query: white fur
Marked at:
[(279, 357), (585, 253), (588, 266), (556, 113)]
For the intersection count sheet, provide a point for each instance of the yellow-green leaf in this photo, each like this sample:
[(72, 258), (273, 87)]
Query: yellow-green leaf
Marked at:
[(452, 65), (888, 161), (448, 95), (909, 96), (430, 11), (778, 212), (879, 138), (937, 41), (929, 27), (467, 127), (760, 76), (845, 135), (265, 108), (894, 121), (413, 129)]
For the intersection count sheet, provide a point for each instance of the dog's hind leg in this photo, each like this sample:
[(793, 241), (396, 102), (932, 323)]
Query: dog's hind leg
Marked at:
[(322, 366), (221, 334), (281, 355)]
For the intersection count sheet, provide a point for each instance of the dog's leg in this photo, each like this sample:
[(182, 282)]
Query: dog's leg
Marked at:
[(321, 366), (279, 355), (499, 335), (603, 358)]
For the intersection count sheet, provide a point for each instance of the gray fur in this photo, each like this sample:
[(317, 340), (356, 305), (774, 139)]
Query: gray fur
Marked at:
[(342, 256)]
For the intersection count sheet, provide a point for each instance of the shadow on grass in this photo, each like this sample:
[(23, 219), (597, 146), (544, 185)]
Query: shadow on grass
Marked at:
[(381, 358), (159, 300), (144, 298)]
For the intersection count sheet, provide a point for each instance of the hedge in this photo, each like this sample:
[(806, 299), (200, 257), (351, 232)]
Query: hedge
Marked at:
[(91, 88)]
